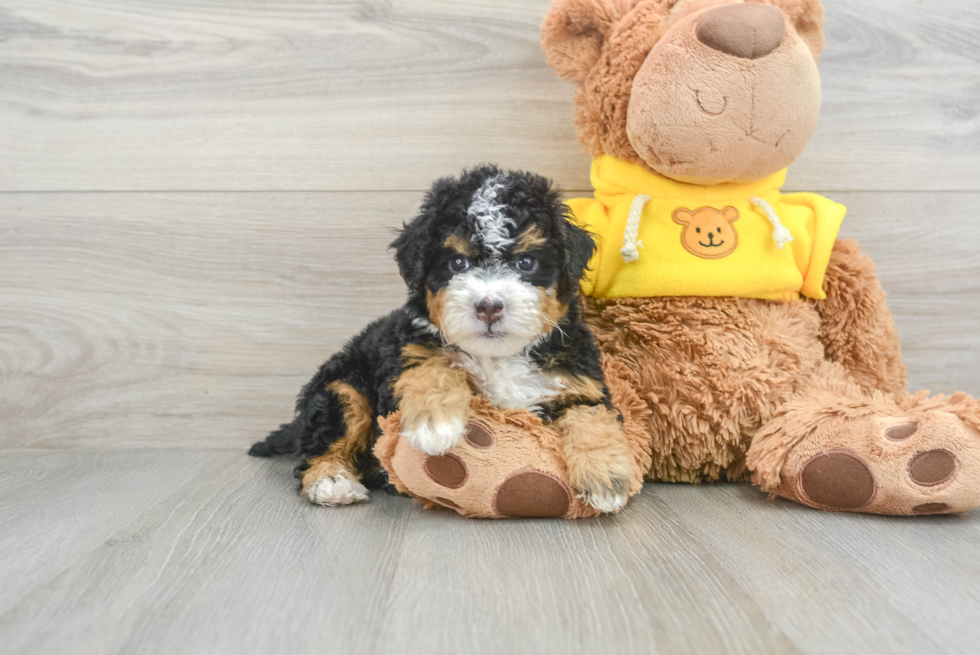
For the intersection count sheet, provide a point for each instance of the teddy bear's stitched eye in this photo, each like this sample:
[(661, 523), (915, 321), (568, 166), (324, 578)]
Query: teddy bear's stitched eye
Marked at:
[(719, 230), (699, 230), (458, 264)]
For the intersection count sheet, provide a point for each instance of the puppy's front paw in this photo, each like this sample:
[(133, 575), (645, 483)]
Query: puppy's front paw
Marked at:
[(598, 456), (336, 490), (608, 499), (435, 437)]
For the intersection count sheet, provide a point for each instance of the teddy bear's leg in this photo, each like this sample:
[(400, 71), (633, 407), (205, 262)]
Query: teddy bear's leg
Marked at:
[(838, 447), (856, 326)]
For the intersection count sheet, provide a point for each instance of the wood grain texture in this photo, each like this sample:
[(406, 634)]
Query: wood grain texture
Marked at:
[(212, 552), (342, 95), (175, 319)]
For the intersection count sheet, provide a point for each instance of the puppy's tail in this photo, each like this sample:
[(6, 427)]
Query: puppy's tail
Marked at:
[(284, 441)]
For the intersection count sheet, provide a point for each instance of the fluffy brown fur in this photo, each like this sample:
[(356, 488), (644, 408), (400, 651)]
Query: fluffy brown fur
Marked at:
[(711, 371), (607, 56), (856, 326)]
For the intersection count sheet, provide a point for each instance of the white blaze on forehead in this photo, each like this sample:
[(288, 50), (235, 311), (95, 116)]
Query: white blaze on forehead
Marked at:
[(486, 212)]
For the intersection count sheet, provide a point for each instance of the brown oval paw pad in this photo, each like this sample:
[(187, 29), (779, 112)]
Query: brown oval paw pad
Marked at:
[(837, 480), (478, 436), (532, 494), (447, 470), (932, 467), (901, 432), (931, 508)]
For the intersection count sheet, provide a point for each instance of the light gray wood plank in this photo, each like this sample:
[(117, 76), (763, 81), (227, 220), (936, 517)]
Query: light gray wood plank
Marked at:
[(924, 248), (841, 583), (339, 95), (59, 506), (193, 319), (901, 102), (228, 559)]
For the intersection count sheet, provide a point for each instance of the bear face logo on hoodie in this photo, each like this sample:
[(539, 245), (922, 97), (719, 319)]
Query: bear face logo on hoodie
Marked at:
[(708, 233)]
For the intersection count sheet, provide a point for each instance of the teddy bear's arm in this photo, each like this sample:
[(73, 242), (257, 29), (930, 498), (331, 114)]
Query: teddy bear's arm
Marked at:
[(856, 326)]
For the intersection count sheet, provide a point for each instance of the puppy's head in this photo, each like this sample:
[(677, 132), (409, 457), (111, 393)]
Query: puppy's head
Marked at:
[(494, 259)]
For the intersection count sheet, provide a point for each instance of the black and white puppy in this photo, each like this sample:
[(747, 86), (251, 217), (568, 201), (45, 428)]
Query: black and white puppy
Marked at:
[(492, 265)]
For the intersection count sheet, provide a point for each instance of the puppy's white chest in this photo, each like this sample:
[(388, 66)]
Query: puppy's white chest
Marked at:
[(512, 382)]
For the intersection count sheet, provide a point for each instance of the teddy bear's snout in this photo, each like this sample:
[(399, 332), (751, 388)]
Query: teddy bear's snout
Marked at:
[(748, 30)]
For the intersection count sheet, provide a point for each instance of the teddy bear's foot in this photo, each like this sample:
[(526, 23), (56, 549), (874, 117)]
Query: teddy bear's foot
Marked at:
[(922, 461), (507, 465)]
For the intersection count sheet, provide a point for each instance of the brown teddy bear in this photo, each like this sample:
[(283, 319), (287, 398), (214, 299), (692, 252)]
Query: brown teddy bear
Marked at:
[(742, 340)]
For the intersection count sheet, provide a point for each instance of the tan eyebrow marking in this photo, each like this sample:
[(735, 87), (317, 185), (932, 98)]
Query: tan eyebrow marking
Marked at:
[(530, 239), (459, 244)]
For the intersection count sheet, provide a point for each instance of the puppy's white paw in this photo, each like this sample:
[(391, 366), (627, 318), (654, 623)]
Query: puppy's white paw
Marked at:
[(435, 438), (606, 501), (337, 490)]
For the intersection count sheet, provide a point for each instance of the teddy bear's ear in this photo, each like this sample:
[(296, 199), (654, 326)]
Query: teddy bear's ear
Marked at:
[(807, 17), (573, 32), (682, 216)]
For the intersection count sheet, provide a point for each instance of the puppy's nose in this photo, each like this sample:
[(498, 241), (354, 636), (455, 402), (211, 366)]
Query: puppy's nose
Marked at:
[(749, 30), (489, 310)]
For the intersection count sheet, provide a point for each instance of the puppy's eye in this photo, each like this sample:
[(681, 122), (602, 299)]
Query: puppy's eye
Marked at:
[(526, 263), (458, 264)]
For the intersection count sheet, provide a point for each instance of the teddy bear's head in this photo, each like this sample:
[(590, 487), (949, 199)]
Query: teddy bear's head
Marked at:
[(701, 91)]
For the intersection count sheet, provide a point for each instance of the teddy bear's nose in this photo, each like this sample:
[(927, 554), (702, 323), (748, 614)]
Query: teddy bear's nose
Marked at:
[(749, 30)]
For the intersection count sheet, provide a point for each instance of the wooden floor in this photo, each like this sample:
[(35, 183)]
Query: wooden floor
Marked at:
[(195, 199), (210, 551)]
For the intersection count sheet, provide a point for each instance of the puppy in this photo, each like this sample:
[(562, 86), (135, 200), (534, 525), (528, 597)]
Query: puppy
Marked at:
[(492, 265)]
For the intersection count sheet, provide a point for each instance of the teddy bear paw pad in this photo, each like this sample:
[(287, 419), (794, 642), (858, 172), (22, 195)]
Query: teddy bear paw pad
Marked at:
[(932, 467), (532, 494), (838, 480), (891, 465), (446, 470), (478, 436)]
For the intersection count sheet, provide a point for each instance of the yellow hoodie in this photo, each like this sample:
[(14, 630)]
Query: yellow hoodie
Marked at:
[(743, 240)]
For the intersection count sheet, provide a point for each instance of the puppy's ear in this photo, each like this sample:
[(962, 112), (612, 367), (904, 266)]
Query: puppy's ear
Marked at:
[(573, 32), (579, 246), (410, 252)]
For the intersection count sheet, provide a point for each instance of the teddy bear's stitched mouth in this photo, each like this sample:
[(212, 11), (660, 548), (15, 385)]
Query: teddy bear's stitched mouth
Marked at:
[(702, 102), (712, 244)]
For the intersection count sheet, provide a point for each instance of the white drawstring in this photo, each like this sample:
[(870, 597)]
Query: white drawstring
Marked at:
[(631, 235), (631, 242), (780, 235)]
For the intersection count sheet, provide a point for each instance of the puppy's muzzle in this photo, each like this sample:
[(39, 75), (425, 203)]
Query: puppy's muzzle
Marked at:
[(490, 310)]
